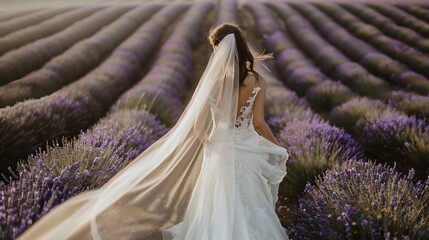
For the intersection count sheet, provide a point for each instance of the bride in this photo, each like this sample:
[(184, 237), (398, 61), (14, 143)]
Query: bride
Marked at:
[(214, 175)]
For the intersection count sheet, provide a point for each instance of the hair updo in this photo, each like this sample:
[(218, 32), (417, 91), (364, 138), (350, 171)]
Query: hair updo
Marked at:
[(245, 57)]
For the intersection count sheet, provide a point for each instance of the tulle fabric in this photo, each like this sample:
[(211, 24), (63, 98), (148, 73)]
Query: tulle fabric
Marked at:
[(260, 166), (171, 177)]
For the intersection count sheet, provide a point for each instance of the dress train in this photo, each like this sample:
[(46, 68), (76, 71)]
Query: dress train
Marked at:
[(260, 166)]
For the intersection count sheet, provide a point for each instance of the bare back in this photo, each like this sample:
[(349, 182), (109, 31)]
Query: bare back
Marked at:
[(245, 92)]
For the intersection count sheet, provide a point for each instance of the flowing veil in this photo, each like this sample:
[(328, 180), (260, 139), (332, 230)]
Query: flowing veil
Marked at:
[(186, 176)]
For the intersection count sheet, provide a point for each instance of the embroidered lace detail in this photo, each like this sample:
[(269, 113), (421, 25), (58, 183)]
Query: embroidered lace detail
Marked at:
[(246, 117)]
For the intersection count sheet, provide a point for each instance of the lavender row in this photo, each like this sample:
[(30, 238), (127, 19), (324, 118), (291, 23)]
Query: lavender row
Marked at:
[(328, 58), (363, 200), (386, 134), (409, 158), (113, 142), (7, 16), (49, 178), (360, 51), (307, 143), (27, 125), (227, 12), (313, 144), (27, 20), (402, 18), (416, 10), (298, 72), (416, 152), (19, 62), (423, 5), (408, 55), (411, 104), (385, 24), (404, 144), (82, 57), (171, 74), (415, 158), (352, 74), (44, 29)]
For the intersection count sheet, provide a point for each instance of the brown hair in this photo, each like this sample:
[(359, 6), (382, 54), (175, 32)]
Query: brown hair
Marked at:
[(245, 56)]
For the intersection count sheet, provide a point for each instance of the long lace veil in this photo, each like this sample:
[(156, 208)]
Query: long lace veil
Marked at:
[(186, 176)]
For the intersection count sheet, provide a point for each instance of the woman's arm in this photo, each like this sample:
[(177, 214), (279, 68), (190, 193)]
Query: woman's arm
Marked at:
[(259, 115)]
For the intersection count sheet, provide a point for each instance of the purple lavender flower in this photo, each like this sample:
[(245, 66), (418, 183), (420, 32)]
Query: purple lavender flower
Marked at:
[(411, 103), (53, 116), (327, 95), (347, 114), (300, 79), (315, 148), (341, 198), (397, 138), (50, 178), (291, 114), (279, 100), (117, 139)]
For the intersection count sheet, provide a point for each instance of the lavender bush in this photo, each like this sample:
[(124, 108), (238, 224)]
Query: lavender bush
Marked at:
[(167, 109), (49, 178), (347, 114), (362, 200), (361, 81), (278, 99), (399, 138), (301, 78), (293, 113), (313, 148), (82, 57), (27, 125), (284, 106), (327, 95), (411, 104)]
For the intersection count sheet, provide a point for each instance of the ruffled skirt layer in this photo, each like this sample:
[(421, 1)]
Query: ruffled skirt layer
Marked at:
[(260, 166)]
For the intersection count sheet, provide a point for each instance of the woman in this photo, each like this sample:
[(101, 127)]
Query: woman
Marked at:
[(255, 195), (212, 176)]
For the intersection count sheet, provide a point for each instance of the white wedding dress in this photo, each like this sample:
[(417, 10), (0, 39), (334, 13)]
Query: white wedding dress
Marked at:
[(211, 177), (257, 181)]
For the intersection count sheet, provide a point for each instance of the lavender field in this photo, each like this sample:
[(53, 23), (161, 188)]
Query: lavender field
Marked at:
[(84, 89)]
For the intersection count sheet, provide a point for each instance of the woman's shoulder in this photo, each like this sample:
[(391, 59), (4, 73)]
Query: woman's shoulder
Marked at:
[(255, 80)]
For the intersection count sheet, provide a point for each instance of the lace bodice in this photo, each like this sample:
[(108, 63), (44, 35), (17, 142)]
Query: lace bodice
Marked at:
[(246, 118)]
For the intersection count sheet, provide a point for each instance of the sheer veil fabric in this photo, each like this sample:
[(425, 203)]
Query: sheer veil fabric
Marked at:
[(186, 176)]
